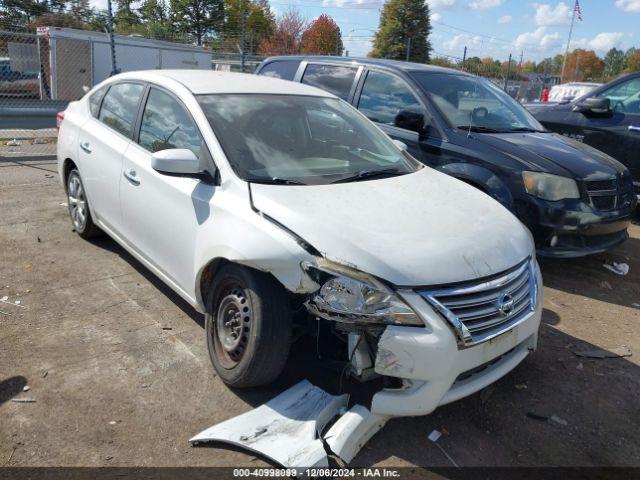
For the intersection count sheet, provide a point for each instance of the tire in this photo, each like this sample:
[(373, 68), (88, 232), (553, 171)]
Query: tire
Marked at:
[(248, 326), (78, 205)]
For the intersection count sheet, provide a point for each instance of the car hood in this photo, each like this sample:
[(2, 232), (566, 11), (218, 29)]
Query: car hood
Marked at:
[(424, 228), (553, 153)]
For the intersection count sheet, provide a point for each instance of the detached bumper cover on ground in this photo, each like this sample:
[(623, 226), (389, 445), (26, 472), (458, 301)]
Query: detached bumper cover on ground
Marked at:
[(288, 428)]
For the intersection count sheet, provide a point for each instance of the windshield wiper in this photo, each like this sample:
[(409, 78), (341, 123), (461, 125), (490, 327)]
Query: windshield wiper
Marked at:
[(387, 172), (276, 181), (525, 129), (477, 129)]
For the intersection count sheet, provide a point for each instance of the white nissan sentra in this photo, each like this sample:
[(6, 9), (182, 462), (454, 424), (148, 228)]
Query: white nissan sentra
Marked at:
[(275, 207)]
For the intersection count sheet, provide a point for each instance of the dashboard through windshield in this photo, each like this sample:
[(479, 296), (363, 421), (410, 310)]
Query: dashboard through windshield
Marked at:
[(476, 104), (294, 139)]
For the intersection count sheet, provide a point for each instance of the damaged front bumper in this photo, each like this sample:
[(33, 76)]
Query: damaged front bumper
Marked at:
[(435, 370), (462, 338)]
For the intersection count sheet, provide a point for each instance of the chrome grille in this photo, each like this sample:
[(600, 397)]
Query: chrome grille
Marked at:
[(485, 308)]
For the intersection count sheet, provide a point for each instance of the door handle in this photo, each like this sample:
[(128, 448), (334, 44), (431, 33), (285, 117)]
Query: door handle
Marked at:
[(633, 128), (86, 146), (131, 176)]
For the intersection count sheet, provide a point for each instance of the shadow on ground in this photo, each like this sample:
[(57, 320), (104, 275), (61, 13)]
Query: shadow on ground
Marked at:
[(10, 387)]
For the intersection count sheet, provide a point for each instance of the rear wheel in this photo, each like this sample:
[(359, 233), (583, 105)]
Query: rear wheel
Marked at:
[(79, 206), (248, 326)]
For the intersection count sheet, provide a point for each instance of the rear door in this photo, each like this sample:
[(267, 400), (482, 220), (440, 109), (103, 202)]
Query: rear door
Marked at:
[(103, 139), (162, 212), (340, 80), (284, 69)]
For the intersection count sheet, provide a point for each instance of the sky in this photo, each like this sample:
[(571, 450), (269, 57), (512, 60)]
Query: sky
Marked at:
[(496, 28), (492, 27)]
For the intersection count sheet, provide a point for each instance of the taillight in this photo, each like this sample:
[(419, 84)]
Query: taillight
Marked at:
[(59, 119)]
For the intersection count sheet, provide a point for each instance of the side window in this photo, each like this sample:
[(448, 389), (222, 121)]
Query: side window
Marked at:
[(384, 96), (624, 97), (166, 124), (120, 107), (95, 99), (332, 78), (285, 70)]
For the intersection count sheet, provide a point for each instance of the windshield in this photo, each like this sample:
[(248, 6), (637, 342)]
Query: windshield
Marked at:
[(296, 139), (475, 103)]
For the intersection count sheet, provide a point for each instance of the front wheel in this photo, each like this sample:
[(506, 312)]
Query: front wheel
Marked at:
[(248, 326)]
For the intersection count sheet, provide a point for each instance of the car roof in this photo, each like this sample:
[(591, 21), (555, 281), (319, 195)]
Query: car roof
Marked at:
[(210, 82), (379, 62)]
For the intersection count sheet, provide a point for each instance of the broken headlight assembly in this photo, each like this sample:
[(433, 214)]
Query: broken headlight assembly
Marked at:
[(348, 295)]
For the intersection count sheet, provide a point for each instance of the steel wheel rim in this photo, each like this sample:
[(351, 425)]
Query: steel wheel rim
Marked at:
[(232, 324), (77, 202)]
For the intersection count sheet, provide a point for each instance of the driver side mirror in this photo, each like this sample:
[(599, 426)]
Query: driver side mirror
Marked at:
[(414, 121), (176, 160), (597, 105)]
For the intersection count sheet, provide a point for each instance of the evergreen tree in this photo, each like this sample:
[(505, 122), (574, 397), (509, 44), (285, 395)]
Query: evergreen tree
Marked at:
[(614, 62), (17, 14), (126, 20), (81, 10), (404, 27), (199, 18)]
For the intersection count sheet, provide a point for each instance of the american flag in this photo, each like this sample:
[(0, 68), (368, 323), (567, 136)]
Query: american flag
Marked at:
[(577, 11)]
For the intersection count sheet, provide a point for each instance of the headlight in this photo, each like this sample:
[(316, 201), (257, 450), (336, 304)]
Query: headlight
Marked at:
[(549, 187), (352, 296)]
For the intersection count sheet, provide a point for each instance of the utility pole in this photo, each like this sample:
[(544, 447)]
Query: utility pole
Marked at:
[(251, 42), (408, 47), (566, 52), (243, 41), (112, 43), (464, 57), (506, 78), (520, 65)]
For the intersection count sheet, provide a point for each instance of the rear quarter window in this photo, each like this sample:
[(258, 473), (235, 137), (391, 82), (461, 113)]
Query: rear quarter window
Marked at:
[(95, 100), (335, 79), (120, 107), (285, 69)]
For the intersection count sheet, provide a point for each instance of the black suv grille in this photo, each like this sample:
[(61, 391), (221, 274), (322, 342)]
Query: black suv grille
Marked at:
[(610, 194)]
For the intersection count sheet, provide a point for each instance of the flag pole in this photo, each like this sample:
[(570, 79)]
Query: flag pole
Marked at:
[(566, 52)]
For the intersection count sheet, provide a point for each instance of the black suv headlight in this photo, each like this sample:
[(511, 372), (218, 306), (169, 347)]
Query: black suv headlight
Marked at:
[(550, 187)]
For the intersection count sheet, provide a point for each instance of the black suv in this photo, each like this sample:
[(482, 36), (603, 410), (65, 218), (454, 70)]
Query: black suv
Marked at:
[(575, 199), (607, 118)]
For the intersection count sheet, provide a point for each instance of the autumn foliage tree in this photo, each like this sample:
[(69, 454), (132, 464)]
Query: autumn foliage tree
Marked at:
[(583, 65), (322, 37), (259, 24), (633, 61), (286, 36)]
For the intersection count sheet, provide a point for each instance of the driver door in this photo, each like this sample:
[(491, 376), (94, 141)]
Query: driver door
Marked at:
[(382, 97), (617, 133)]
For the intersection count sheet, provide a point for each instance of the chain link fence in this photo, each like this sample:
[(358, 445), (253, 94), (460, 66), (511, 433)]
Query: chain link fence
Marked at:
[(40, 73)]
